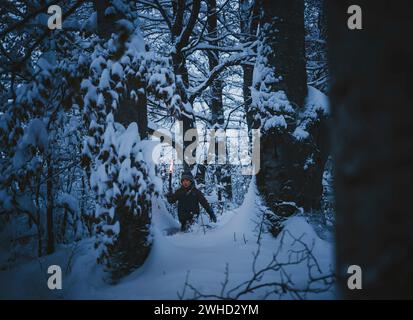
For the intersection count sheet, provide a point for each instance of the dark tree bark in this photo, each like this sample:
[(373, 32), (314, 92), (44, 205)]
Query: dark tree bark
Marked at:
[(106, 23), (130, 109), (372, 121), (215, 103), (132, 247), (180, 35), (322, 20), (318, 148), (134, 110), (283, 179), (249, 13), (285, 35)]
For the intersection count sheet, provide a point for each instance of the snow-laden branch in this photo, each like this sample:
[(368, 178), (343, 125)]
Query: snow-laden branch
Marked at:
[(164, 14), (186, 33), (233, 60), (206, 46)]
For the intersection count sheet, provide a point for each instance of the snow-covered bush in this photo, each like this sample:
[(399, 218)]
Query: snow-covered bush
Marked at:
[(40, 138), (112, 154), (123, 188)]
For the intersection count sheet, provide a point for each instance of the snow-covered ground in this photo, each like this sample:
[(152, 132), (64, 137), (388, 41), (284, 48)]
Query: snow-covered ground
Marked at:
[(200, 257)]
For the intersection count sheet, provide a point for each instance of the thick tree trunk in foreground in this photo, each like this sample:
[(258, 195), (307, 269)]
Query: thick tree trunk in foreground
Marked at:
[(371, 97), (285, 35), (291, 169)]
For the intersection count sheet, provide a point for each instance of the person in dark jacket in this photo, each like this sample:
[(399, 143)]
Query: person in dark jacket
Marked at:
[(189, 198)]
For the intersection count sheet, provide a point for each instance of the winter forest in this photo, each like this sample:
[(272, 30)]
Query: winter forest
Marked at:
[(204, 149)]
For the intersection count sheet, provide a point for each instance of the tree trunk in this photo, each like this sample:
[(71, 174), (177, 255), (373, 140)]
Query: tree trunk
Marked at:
[(106, 23), (249, 25), (216, 105), (285, 36), (181, 71), (281, 179), (187, 118), (215, 93), (134, 110), (372, 123), (130, 109)]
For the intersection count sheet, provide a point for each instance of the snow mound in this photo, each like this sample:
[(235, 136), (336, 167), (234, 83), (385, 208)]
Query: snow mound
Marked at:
[(197, 257)]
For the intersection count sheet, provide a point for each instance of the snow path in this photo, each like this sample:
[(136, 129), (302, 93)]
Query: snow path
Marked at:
[(204, 256)]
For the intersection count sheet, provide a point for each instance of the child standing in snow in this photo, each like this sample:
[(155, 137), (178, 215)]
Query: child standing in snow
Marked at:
[(189, 198)]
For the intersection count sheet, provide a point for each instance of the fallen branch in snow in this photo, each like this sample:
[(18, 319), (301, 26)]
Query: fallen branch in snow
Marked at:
[(274, 278)]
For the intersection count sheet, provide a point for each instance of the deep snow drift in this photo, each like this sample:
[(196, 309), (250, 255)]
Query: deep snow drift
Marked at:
[(200, 258)]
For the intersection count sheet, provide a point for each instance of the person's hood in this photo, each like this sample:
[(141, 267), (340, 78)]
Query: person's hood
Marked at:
[(187, 175)]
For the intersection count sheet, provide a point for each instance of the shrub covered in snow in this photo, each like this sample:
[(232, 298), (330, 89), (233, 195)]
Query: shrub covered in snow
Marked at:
[(112, 154)]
